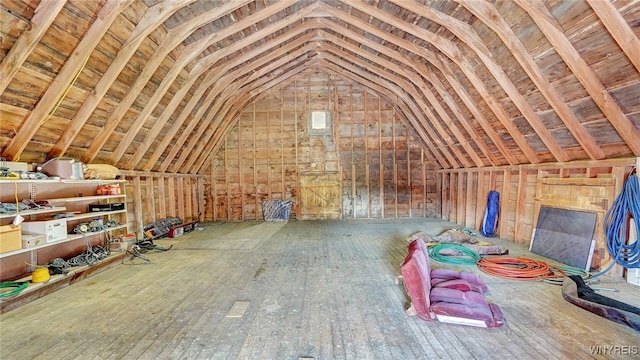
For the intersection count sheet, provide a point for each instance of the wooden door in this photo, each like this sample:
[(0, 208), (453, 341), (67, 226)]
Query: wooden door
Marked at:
[(320, 196)]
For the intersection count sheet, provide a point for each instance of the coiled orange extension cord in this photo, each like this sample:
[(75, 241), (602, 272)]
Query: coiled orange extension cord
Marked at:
[(520, 268)]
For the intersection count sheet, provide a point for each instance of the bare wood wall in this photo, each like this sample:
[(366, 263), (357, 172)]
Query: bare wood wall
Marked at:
[(383, 169), (156, 196), (585, 186)]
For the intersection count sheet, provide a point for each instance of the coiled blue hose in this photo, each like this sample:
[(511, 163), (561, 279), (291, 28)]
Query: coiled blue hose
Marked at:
[(615, 226)]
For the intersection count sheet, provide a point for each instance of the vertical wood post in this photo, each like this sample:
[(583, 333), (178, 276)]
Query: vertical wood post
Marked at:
[(470, 204), (151, 198), (504, 204), (380, 163), (481, 196), (181, 196), (162, 199), (460, 199), (137, 206), (520, 207)]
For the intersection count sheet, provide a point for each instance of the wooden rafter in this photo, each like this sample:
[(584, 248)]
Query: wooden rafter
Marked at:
[(449, 48), (416, 81), (200, 69), (403, 106), (490, 16), (420, 71), (337, 71), (172, 39), (551, 29), (422, 126), (427, 74), (222, 84), (217, 73), (443, 66), (105, 82), (44, 16), (284, 64), (183, 61), (74, 64), (264, 84), (619, 29), (190, 53)]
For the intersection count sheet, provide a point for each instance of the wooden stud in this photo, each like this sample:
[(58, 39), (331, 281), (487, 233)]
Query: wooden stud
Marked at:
[(440, 200), (423, 179), (504, 204), (180, 197), (214, 194), (150, 195), (240, 171), (395, 164), (137, 207), (297, 140), (380, 163), (520, 207), (460, 199), (353, 167), (268, 127), (366, 154), (470, 204), (282, 179), (226, 178), (481, 196), (453, 197), (162, 199), (255, 177), (406, 140)]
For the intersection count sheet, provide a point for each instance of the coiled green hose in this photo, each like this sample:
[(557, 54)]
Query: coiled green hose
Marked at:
[(469, 257), (13, 288)]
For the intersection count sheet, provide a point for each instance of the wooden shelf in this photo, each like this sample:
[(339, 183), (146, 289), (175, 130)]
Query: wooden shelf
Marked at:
[(70, 237), (85, 198), (79, 236), (62, 181), (34, 212), (67, 198), (57, 281), (94, 214)]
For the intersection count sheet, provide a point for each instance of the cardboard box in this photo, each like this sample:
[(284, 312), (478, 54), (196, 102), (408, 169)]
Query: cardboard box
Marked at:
[(17, 166), (10, 238), (53, 230), (31, 240)]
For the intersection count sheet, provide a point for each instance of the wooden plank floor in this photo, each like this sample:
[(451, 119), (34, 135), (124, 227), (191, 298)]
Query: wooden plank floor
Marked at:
[(316, 289)]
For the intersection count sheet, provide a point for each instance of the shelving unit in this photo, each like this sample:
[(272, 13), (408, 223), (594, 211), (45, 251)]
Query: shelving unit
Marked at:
[(65, 196), (34, 212)]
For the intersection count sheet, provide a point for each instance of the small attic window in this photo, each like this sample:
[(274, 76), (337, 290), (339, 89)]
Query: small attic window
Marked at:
[(319, 122)]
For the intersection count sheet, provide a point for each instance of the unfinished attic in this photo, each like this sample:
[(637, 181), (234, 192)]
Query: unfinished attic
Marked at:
[(261, 167)]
